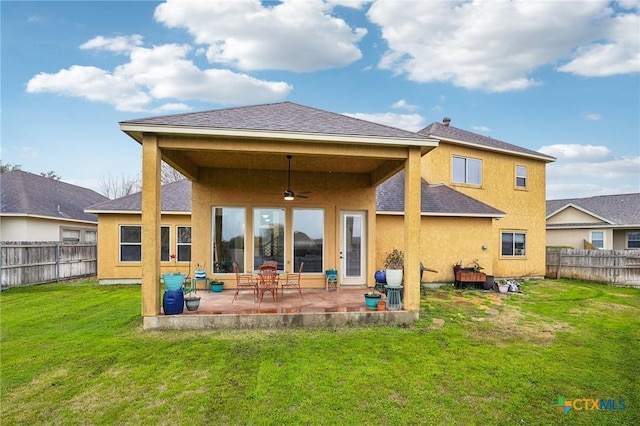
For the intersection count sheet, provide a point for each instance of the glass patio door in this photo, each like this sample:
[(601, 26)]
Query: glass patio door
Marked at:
[(353, 248)]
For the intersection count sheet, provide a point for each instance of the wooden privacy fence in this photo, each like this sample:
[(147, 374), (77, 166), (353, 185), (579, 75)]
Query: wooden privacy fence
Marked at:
[(606, 266), (24, 263)]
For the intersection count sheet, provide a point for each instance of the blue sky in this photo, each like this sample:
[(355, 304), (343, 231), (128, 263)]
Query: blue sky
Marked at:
[(562, 78)]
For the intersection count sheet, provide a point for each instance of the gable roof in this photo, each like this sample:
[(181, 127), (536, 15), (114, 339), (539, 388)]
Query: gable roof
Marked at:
[(435, 200), (462, 137), (27, 194), (176, 198), (286, 117), (620, 209)]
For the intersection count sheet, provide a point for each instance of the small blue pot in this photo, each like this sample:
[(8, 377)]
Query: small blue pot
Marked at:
[(371, 300), (380, 276), (173, 281)]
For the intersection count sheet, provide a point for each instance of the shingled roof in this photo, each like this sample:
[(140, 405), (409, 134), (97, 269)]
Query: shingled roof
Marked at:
[(283, 117), (27, 194), (176, 197), (435, 200), (620, 209), (453, 134)]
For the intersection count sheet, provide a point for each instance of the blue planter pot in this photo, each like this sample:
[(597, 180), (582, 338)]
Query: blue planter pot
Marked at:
[(173, 281), (217, 288), (380, 276), (371, 300)]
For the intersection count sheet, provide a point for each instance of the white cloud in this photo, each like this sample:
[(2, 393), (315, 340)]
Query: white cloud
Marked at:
[(153, 75), (618, 54), (592, 116), (583, 153), (293, 35), (120, 44), (402, 104), (496, 45), (410, 122), (482, 129)]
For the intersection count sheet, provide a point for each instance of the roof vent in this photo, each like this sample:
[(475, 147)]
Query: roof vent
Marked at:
[(446, 121)]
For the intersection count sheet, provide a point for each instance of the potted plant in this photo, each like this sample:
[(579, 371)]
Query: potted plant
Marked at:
[(175, 280), (503, 286), (394, 265), (216, 285), (200, 271), (371, 298), (191, 301)]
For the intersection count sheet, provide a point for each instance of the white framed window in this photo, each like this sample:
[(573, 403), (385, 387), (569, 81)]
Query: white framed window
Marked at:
[(70, 235), (130, 243), (90, 236), (308, 239), (183, 243), (633, 240), (467, 170), (514, 244), (597, 238), (228, 238), (268, 236), (521, 177)]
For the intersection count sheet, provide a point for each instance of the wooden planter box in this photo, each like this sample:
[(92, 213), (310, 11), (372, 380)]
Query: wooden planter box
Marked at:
[(470, 277)]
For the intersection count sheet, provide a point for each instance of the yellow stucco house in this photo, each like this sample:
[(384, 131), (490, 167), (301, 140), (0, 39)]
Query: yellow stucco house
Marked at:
[(293, 183)]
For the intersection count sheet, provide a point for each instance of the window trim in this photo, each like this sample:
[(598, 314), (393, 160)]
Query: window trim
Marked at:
[(525, 177), (466, 170), (627, 240), (513, 248), (178, 243), (604, 238), (120, 243), (293, 233)]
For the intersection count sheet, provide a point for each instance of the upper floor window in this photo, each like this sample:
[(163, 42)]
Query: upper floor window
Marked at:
[(90, 236), (633, 240), (183, 242), (228, 238), (597, 239), (514, 244), (521, 177), (71, 235), (467, 170), (308, 239)]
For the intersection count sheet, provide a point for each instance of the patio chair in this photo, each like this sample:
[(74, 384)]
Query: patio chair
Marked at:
[(268, 281), (243, 282), (292, 281)]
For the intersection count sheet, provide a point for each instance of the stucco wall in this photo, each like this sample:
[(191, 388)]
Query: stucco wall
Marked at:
[(110, 269), (332, 192)]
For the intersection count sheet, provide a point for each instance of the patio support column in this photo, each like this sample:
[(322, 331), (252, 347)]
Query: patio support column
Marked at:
[(412, 203), (151, 219)]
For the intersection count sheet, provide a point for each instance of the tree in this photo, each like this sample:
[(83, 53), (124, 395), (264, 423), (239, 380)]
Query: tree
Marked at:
[(8, 167), (113, 187)]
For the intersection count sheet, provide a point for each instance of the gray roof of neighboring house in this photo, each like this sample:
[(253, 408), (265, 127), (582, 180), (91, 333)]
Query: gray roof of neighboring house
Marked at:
[(435, 199), (176, 197), (24, 193), (284, 116), (440, 131), (620, 209)]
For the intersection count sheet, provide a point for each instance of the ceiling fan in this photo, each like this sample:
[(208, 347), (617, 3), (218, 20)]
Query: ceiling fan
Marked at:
[(289, 195)]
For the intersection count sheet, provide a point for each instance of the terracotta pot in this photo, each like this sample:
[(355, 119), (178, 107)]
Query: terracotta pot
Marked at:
[(382, 305)]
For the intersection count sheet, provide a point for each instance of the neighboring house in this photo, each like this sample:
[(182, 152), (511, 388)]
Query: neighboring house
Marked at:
[(120, 234), (609, 222), (36, 208), (440, 195)]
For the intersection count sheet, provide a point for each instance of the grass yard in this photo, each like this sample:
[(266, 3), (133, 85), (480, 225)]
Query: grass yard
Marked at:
[(75, 354)]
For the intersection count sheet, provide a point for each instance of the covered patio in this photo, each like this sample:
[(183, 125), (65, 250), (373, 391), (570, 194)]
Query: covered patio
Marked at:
[(318, 309)]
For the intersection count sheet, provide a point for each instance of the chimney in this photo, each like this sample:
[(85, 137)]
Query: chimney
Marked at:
[(446, 121)]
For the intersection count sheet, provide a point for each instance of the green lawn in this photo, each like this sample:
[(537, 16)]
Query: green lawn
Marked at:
[(75, 353)]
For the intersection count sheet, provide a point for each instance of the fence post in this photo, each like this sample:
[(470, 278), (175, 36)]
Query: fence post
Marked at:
[(57, 262)]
